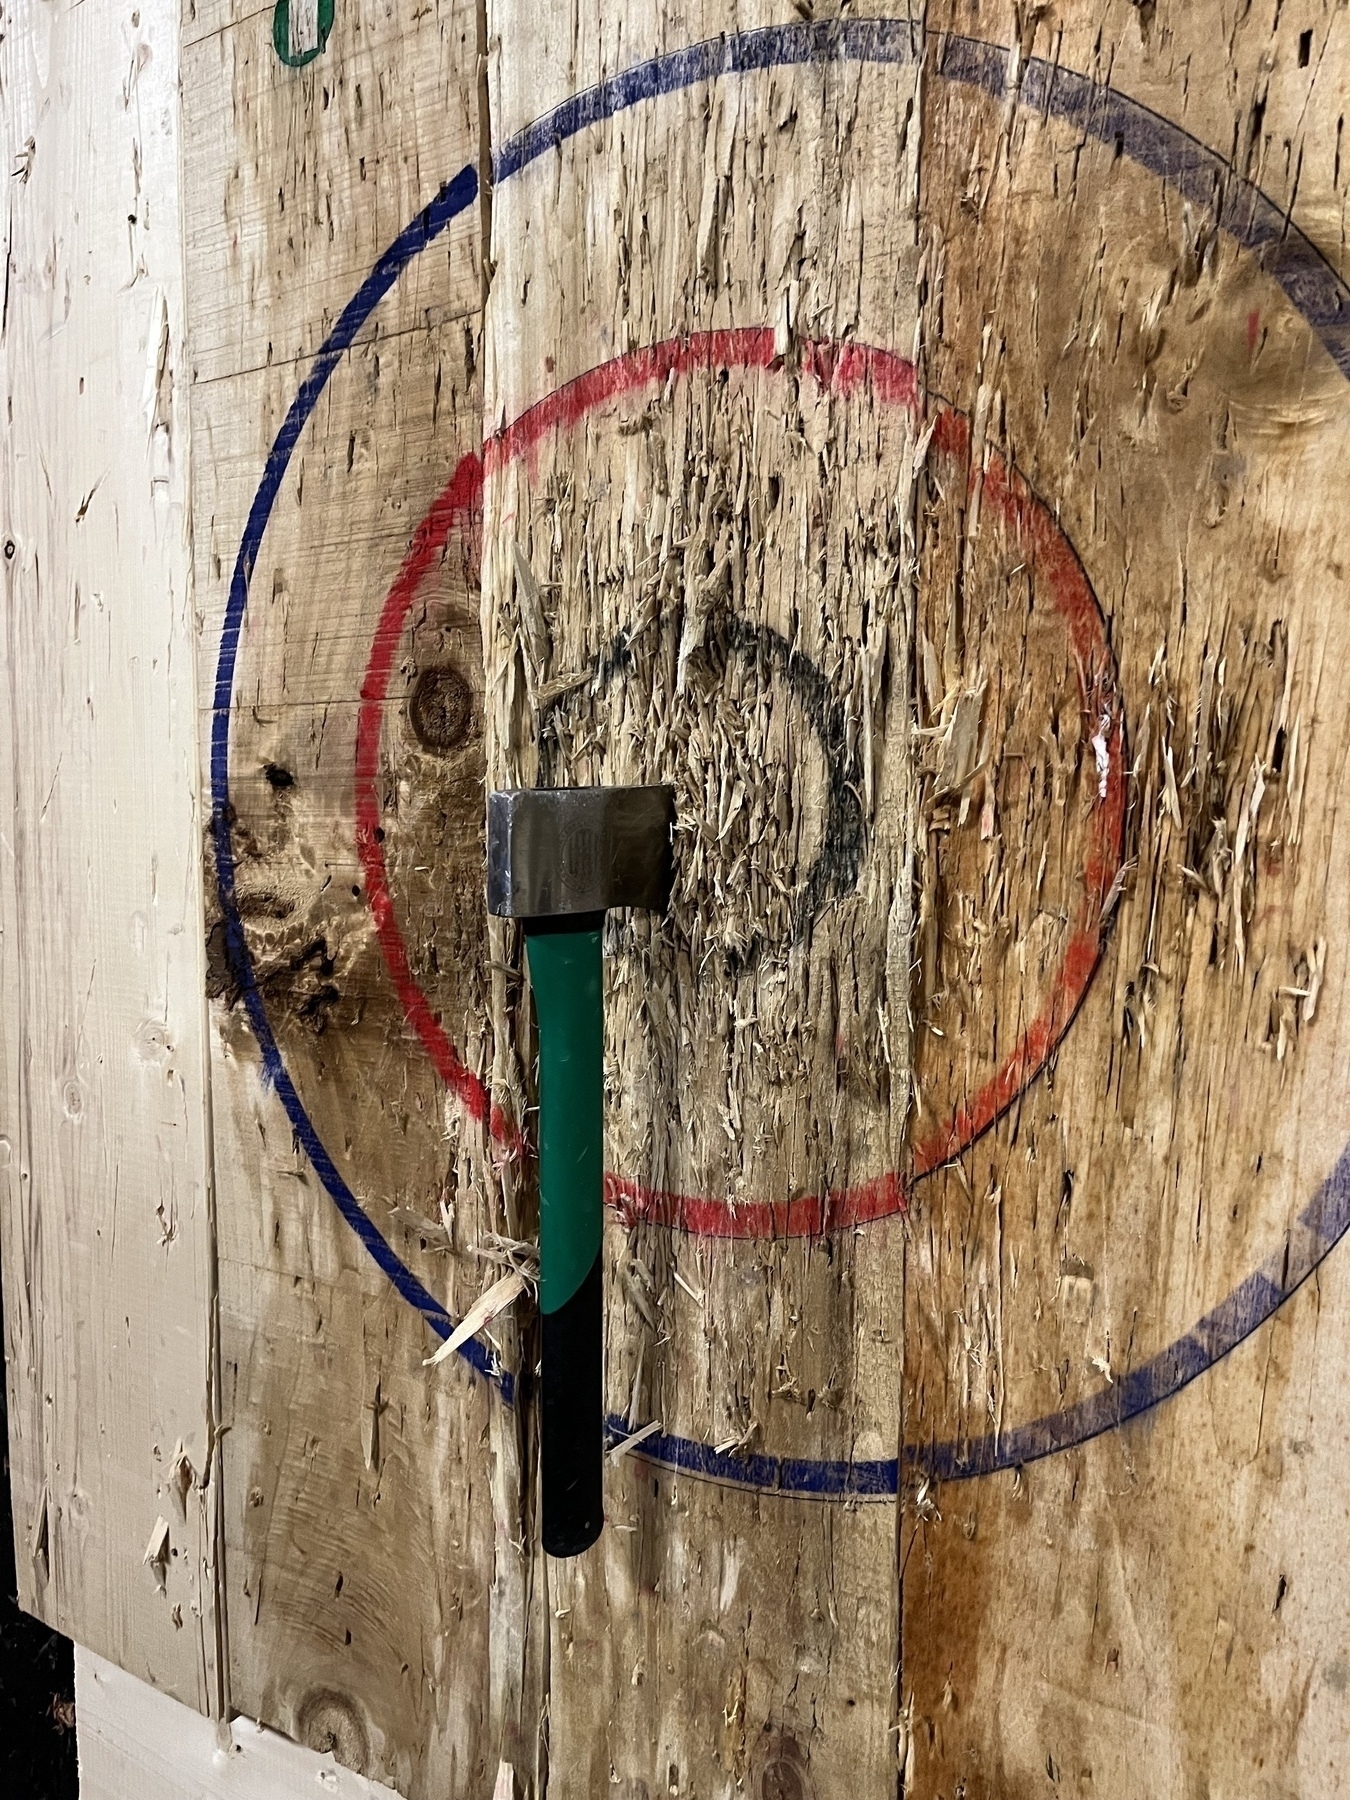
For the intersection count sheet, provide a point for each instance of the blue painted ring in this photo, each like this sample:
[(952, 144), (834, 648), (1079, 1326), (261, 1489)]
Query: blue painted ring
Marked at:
[(1312, 287)]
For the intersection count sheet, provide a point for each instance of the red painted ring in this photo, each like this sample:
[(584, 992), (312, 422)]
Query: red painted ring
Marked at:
[(838, 369)]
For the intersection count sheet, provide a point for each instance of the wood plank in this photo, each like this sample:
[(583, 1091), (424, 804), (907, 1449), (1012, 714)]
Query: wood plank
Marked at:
[(372, 1559), (139, 1744), (724, 530), (105, 1191), (1138, 1615)]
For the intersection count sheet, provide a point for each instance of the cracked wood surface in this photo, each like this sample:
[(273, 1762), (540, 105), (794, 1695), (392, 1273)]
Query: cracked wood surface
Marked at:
[(667, 586), (1151, 1613), (361, 1548)]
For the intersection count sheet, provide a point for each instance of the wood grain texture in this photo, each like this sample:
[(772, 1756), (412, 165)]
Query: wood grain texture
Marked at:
[(707, 579), (139, 1744), (298, 216), (360, 1523), (104, 1153), (1135, 1616)]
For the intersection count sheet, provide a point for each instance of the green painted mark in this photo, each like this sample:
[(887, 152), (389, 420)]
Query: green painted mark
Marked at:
[(565, 977), (281, 34)]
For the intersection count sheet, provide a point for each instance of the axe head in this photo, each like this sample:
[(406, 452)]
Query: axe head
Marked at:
[(555, 852)]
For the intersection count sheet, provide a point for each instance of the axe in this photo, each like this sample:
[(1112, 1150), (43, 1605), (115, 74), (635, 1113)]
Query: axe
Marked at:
[(558, 859)]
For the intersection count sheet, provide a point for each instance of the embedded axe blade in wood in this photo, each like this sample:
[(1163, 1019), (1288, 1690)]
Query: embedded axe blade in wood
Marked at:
[(558, 860)]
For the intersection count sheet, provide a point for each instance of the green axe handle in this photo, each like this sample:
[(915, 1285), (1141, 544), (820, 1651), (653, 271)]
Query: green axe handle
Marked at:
[(565, 975), (557, 860)]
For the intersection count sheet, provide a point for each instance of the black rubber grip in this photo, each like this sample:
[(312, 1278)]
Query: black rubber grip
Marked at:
[(572, 1427)]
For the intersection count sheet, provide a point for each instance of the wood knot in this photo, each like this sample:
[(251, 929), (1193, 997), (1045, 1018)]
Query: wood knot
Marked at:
[(329, 1721), (781, 1769), (440, 709)]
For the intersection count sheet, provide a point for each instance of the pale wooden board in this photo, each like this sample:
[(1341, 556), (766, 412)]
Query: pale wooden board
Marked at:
[(104, 1153), (717, 1638), (363, 1563), (139, 1744), (1140, 1616)]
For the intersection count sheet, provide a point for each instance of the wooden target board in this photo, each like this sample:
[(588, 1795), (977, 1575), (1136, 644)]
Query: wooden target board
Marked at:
[(918, 438)]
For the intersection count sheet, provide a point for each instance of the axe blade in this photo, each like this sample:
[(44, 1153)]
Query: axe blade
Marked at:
[(558, 852)]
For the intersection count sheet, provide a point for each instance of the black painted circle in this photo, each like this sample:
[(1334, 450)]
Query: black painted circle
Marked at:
[(834, 872)]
